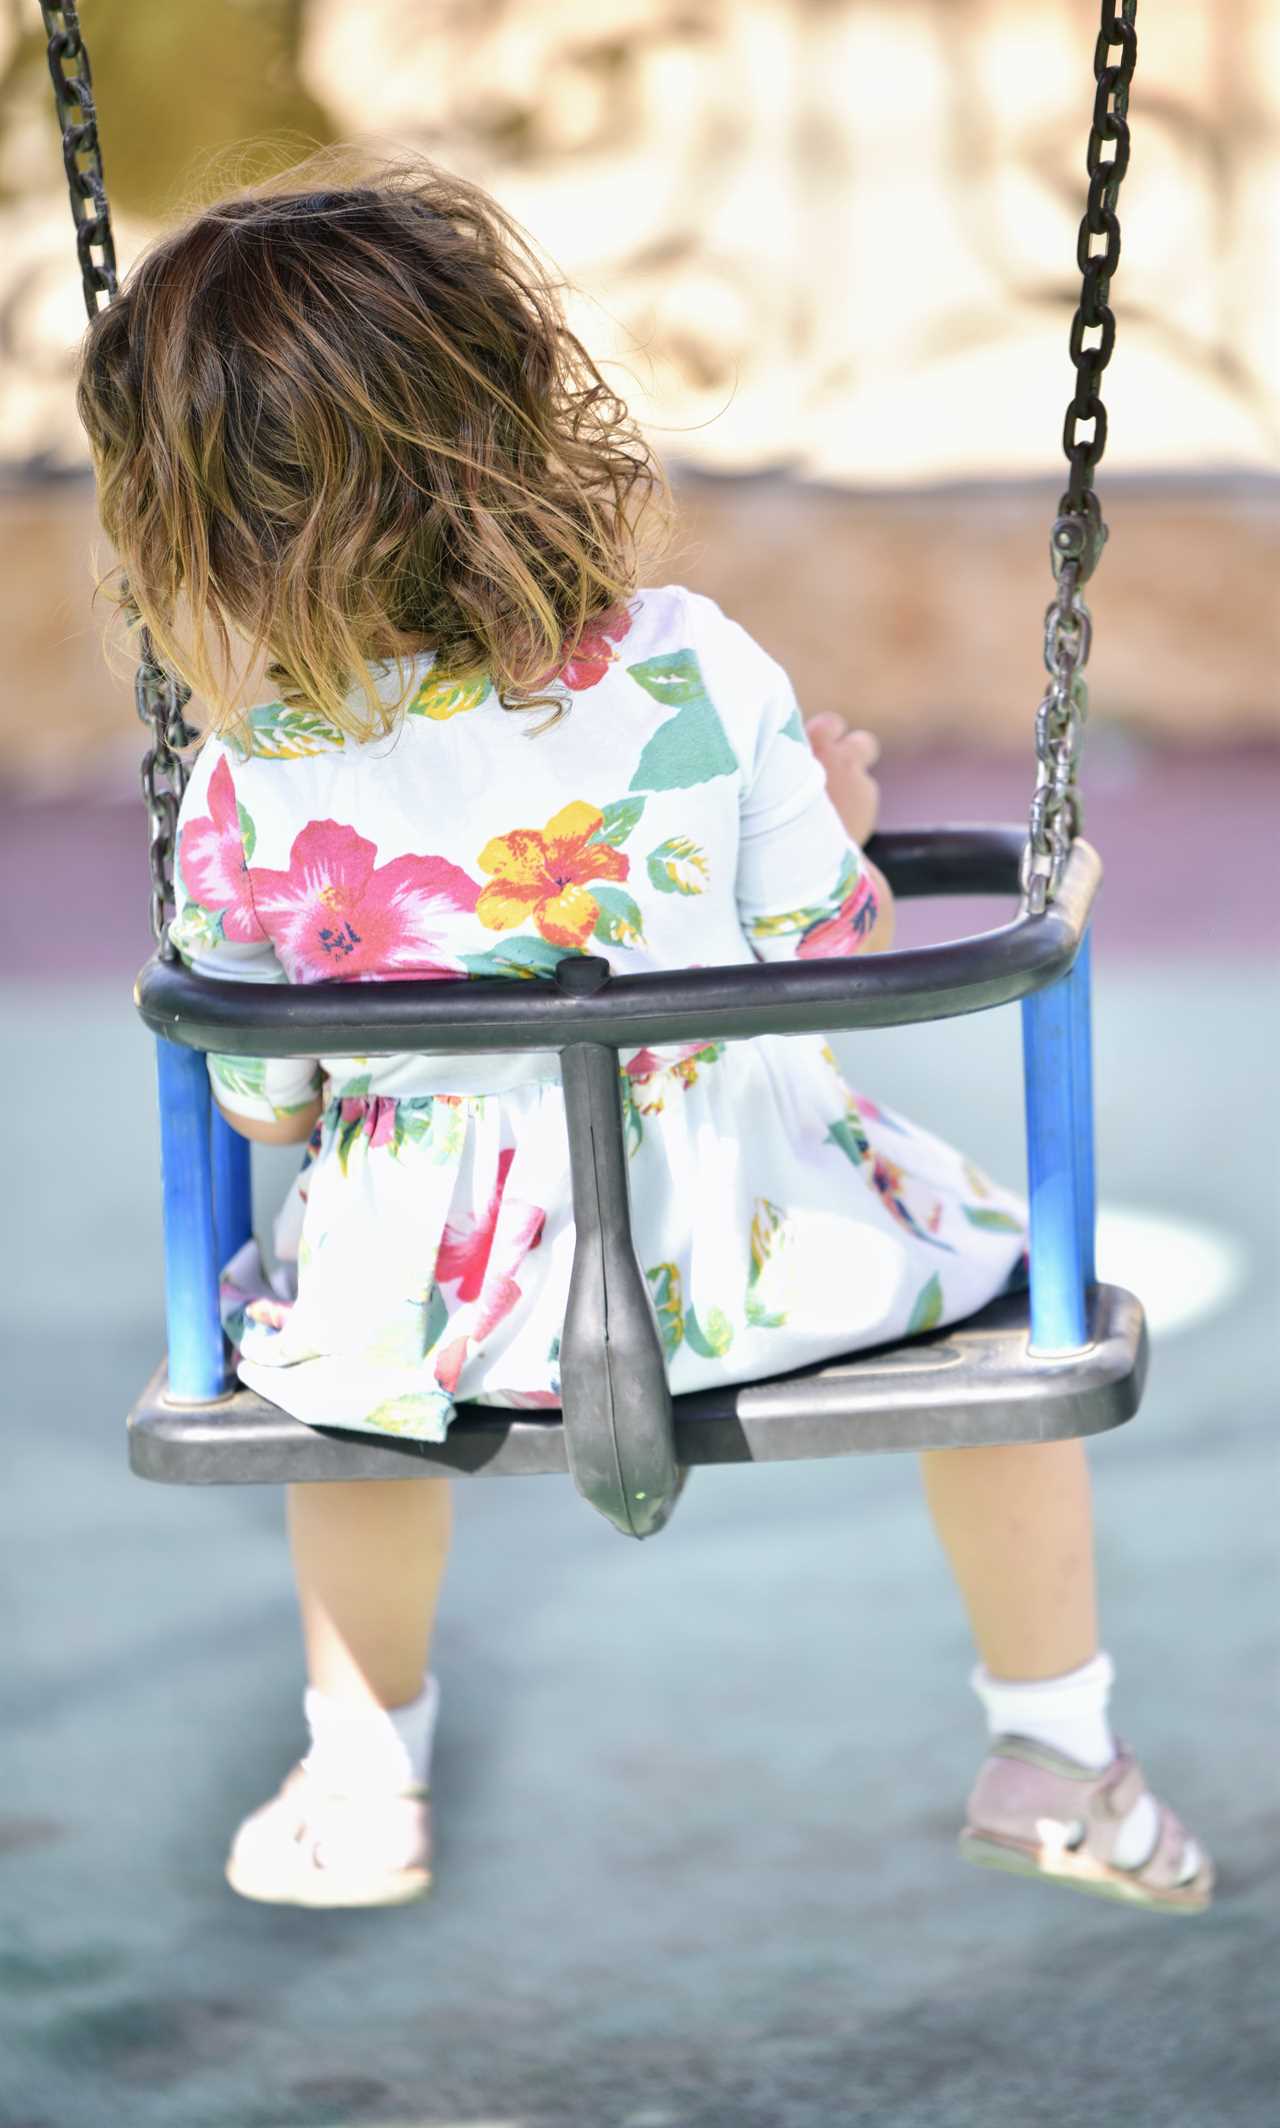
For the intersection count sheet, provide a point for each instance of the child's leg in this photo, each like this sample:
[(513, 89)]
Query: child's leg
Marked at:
[(369, 1558), (351, 1826), (1016, 1524)]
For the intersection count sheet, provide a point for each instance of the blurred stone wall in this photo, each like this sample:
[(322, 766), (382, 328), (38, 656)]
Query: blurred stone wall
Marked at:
[(835, 235), (830, 241)]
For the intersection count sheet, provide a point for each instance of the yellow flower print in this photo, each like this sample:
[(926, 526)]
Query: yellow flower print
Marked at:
[(542, 876)]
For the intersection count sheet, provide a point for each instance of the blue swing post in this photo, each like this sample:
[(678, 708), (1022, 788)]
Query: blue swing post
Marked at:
[(232, 1186), (197, 1357), (1058, 1085)]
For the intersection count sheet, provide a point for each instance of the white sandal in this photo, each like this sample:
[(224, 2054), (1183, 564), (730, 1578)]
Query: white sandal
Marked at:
[(308, 1847)]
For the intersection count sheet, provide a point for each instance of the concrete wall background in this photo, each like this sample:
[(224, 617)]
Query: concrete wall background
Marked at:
[(828, 246), (835, 235)]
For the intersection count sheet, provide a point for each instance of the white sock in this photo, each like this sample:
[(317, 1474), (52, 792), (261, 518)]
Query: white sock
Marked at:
[(1070, 1714), (374, 1751)]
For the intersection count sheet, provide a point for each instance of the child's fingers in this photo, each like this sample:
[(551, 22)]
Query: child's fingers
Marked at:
[(828, 731)]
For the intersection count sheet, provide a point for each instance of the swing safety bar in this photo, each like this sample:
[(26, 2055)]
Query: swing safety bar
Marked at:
[(584, 1003), (620, 1435)]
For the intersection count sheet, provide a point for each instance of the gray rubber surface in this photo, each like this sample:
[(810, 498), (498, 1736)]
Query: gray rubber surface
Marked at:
[(697, 1800)]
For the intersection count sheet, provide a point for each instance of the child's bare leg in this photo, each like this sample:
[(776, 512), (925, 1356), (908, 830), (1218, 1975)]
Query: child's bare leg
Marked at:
[(369, 1558), (1016, 1524)]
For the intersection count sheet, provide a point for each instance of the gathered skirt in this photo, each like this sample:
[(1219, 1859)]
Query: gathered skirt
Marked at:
[(423, 1253)]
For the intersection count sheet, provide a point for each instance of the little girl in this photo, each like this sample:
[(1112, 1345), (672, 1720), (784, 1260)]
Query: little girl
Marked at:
[(344, 426)]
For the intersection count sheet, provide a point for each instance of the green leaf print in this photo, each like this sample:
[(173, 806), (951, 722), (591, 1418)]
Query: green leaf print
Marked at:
[(422, 1417), (276, 733), (664, 1285), (517, 956), (347, 1133), (691, 748), (246, 1076), (678, 866), (436, 1321), (618, 820), (991, 1221), (449, 1128), (769, 1235), (788, 921), (632, 1120), (248, 832), (851, 1138), (619, 922), (440, 699), (198, 927), (412, 1125), (713, 1340), (927, 1312), (794, 727)]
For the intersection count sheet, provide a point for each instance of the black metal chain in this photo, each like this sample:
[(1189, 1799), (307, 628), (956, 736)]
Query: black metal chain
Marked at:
[(161, 698), (1079, 533), (81, 153)]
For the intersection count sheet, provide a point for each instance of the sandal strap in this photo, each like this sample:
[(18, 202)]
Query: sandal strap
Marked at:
[(1121, 1786), (1164, 1865)]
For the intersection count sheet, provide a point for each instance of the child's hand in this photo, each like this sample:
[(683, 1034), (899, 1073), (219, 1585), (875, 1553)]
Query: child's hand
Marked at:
[(848, 758)]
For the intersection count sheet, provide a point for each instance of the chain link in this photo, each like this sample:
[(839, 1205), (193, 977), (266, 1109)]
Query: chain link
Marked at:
[(161, 699), (1079, 534), (81, 153)]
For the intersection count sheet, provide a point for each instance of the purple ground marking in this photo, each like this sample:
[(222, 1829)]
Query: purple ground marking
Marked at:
[(1188, 840)]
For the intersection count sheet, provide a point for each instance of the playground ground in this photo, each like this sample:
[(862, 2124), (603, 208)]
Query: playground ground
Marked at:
[(697, 1800)]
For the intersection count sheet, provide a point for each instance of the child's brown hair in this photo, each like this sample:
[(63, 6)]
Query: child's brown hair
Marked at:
[(348, 422)]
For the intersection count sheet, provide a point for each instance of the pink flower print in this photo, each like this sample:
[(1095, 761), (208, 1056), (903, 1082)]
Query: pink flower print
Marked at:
[(268, 1314), (646, 1061), (593, 653), (482, 1254), (384, 1122), (211, 856), (449, 1363), (643, 1064), (846, 931), (651, 1075), (334, 914)]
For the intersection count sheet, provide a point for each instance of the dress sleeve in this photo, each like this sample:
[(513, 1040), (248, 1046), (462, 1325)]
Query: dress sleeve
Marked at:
[(804, 889), (217, 932)]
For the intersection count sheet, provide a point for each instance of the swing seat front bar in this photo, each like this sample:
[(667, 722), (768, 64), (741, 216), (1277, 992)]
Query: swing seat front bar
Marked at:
[(584, 1004)]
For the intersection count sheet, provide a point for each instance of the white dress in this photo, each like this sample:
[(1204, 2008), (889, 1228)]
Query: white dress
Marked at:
[(674, 817)]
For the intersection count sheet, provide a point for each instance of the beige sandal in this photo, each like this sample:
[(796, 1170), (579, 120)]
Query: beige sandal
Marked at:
[(1038, 1813), (307, 1847)]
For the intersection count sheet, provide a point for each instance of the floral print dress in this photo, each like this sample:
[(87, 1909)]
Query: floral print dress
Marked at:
[(674, 817)]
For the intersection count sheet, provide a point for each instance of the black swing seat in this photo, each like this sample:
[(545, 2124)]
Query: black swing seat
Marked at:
[(968, 1386), (620, 1434)]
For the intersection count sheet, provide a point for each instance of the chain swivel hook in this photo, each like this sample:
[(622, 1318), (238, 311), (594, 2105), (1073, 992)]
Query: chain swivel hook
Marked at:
[(1079, 535)]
